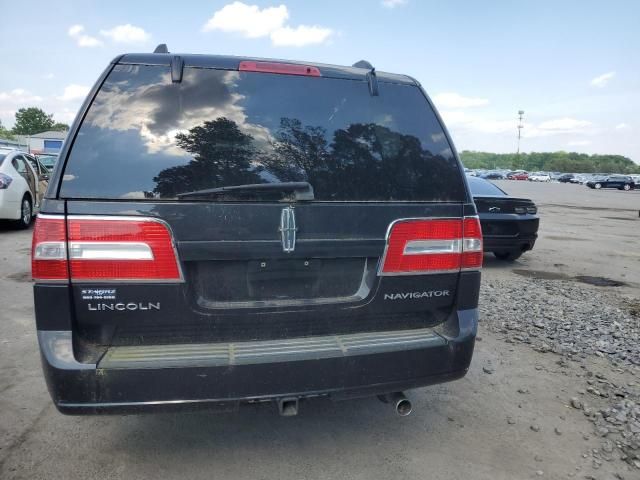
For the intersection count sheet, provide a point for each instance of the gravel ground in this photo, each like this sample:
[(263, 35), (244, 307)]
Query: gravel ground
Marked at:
[(578, 323), (552, 392)]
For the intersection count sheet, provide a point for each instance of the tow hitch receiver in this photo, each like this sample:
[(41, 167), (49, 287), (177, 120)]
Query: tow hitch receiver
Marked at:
[(288, 407)]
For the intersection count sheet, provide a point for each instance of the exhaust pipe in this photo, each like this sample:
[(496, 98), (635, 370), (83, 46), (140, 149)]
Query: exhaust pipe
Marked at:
[(398, 400)]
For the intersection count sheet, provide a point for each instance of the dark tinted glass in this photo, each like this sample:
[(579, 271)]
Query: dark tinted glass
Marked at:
[(145, 137), (48, 161), (481, 187)]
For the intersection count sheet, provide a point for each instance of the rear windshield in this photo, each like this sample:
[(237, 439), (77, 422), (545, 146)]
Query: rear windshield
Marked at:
[(480, 187), (146, 137)]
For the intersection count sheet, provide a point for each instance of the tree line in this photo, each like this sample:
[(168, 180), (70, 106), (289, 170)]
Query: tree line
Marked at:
[(359, 161), (30, 121), (569, 162)]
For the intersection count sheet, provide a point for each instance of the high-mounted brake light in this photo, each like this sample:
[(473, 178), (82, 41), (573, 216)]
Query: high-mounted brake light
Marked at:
[(282, 68), (105, 248), (421, 246)]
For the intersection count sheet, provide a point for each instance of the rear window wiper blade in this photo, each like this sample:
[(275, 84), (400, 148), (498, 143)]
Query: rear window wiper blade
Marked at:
[(297, 190)]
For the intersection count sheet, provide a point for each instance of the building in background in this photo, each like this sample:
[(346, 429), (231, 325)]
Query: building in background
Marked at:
[(45, 142), (5, 142)]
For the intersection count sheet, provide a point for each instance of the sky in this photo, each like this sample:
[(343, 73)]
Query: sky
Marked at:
[(572, 66)]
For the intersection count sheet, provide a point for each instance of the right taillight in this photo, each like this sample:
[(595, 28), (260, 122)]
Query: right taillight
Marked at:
[(104, 248), (471, 244), (423, 246)]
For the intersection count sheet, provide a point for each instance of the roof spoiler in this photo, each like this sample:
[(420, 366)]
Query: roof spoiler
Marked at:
[(161, 48)]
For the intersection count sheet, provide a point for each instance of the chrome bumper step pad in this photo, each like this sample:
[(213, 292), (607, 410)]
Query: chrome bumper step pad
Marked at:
[(272, 351)]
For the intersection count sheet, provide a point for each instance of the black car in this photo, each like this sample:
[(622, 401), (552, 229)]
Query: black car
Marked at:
[(493, 176), (621, 182), (509, 224), (221, 230), (566, 178)]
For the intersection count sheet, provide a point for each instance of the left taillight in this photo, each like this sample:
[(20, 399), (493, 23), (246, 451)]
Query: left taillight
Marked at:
[(49, 249), (104, 248), (423, 246)]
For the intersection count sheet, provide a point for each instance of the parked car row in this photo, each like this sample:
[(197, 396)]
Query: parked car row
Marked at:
[(621, 182), (600, 180), (592, 180)]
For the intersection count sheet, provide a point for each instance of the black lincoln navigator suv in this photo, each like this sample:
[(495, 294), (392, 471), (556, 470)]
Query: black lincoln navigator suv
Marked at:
[(221, 230)]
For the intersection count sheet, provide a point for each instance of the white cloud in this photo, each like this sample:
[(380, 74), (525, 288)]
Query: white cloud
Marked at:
[(393, 3), (455, 100), (248, 20), (299, 36), (456, 118), (74, 92), (603, 79), (12, 100), (251, 21), (75, 30), (564, 125), (48, 76), (127, 34), (65, 115), (82, 39), (623, 126), (460, 120), (18, 96), (579, 143)]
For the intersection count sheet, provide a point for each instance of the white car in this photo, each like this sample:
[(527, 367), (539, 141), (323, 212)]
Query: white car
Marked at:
[(540, 177), (21, 187)]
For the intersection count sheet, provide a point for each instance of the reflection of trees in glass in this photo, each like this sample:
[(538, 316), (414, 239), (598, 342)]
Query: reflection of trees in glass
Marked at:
[(299, 152), (222, 155), (364, 161)]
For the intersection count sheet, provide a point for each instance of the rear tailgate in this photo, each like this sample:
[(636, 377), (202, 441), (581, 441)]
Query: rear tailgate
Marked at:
[(371, 161), (239, 284)]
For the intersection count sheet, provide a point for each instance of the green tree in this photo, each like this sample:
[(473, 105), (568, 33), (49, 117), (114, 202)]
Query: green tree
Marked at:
[(570, 162), (5, 133), (32, 120), (60, 127)]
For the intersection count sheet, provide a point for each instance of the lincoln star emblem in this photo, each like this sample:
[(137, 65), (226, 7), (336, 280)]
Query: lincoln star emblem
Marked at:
[(494, 209), (288, 229)]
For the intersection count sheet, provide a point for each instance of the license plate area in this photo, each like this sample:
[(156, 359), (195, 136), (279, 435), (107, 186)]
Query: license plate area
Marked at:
[(247, 283)]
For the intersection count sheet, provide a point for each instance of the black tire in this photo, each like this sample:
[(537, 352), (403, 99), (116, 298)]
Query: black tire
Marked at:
[(597, 186), (626, 187), (508, 256), (26, 213)]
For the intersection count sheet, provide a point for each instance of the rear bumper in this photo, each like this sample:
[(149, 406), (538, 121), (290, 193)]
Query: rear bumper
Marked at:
[(358, 367), (515, 244), (512, 233)]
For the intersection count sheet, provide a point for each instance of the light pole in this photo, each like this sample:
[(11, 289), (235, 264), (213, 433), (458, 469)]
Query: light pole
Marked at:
[(520, 127)]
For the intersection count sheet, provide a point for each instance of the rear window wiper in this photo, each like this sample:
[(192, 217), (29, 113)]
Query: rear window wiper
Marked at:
[(298, 191)]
